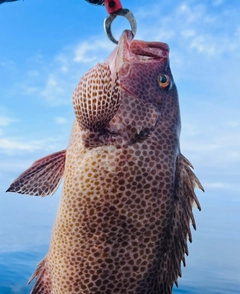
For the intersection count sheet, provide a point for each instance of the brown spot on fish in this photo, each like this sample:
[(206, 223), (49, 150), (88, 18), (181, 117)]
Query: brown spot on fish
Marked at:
[(124, 215)]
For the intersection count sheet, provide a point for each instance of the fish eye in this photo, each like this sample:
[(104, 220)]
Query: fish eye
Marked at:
[(163, 81)]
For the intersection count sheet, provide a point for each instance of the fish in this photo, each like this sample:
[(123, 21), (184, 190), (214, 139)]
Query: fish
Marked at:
[(124, 217)]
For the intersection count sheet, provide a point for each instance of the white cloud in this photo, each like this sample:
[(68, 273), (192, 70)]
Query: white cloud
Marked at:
[(64, 62), (202, 46), (233, 123), (33, 73), (56, 80), (5, 120), (226, 186), (37, 58), (11, 145), (187, 33), (8, 64), (148, 11), (60, 120), (165, 36), (196, 27), (217, 2), (215, 185), (212, 149), (81, 53), (191, 130), (191, 14), (90, 51), (30, 90), (55, 90)]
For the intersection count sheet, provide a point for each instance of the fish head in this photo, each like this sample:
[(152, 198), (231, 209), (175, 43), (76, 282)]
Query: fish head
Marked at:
[(144, 72), (135, 71)]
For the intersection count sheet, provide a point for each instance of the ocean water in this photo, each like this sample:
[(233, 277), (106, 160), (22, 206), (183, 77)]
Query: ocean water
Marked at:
[(213, 264)]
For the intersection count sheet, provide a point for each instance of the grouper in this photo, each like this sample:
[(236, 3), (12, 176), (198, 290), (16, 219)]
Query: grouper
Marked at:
[(124, 216)]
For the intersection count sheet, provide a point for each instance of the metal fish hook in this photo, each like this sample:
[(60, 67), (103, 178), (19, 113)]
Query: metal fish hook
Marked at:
[(121, 12)]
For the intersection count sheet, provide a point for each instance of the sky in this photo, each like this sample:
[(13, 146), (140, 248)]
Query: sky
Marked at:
[(45, 48)]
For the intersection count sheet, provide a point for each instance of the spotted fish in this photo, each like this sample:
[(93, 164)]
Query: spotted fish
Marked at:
[(124, 216)]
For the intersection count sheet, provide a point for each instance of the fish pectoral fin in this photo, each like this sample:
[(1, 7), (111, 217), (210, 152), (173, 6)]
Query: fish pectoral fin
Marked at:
[(43, 282), (42, 178)]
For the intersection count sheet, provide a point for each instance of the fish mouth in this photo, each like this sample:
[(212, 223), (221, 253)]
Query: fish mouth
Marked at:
[(129, 50), (145, 51), (121, 53)]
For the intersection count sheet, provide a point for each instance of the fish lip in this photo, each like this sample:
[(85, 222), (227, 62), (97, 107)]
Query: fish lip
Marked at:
[(126, 37), (149, 50), (129, 50), (121, 53)]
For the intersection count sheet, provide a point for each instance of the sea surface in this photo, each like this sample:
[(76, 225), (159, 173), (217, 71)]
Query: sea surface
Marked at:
[(213, 264)]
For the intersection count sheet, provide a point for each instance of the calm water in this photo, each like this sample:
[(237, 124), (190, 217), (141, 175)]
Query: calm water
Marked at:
[(213, 265)]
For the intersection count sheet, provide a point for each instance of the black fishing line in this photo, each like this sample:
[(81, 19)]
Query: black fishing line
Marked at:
[(95, 2)]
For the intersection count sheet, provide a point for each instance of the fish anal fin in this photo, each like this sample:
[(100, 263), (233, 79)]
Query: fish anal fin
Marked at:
[(43, 279), (42, 178)]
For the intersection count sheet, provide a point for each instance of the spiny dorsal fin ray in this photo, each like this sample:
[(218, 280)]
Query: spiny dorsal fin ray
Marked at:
[(185, 182), (42, 178)]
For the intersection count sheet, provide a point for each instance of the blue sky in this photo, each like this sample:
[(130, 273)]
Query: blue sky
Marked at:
[(46, 46)]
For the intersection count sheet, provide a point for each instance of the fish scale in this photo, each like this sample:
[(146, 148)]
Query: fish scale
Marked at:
[(124, 216)]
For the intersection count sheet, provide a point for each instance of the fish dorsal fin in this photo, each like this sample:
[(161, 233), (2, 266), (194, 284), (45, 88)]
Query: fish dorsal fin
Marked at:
[(42, 178), (185, 197)]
